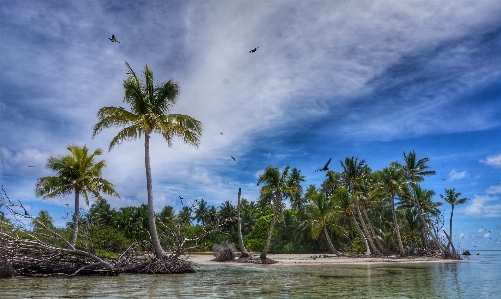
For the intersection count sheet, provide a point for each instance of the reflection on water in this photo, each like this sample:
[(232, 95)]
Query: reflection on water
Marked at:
[(476, 277)]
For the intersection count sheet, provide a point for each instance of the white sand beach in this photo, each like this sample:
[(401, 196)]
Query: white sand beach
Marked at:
[(206, 258)]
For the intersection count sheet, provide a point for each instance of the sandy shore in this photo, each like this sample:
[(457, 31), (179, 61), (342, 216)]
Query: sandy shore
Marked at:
[(318, 259)]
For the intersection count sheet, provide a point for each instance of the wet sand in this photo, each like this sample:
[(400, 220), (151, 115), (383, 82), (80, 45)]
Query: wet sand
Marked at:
[(317, 259)]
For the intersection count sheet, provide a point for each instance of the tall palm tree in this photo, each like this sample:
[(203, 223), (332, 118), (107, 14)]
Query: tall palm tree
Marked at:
[(321, 212), (429, 208), (392, 180), (150, 105), (294, 181), (243, 251), (345, 205), (354, 170), (415, 171), (451, 197), (77, 173), (272, 193), (331, 183)]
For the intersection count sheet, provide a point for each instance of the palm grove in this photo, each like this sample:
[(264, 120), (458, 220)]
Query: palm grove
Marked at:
[(355, 211)]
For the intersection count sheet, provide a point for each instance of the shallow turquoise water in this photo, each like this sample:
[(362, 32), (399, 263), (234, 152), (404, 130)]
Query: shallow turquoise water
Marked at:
[(477, 277)]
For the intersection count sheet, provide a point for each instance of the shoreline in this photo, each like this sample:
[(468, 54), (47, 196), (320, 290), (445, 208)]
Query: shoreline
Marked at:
[(318, 259)]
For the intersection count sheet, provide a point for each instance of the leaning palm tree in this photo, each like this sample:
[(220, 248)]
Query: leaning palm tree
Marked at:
[(321, 213), (415, 171), (354, 171), (77, 173), (272, 193), (451, 197), (392, 181), (150, 105)]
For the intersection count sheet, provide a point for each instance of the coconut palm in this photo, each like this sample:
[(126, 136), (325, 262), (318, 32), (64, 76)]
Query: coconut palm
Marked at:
[(42, 221), (272, 193), (150, 105), (354, 170), (78, 173), (451, 197), (321, 213), (415, 171), (429, 208), (345, 205), (392, 181), (331, 183)]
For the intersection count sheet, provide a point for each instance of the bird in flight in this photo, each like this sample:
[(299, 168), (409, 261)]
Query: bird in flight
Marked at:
[(31, 166), (113, 39), (233, 158), (221, 133), (253, 50), (326, 167)]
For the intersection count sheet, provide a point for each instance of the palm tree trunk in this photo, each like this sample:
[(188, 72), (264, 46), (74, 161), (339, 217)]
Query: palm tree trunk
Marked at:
[(268, 240), (423, 222), (424, 238), (334, 250), (381, 247), (357, 227), (400, 245), (450, 229), (243, 251), (76, 217), (155, 242), (364, 227)]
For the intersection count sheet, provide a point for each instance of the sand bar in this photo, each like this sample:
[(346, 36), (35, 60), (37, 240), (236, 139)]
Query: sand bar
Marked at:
[(318, 259)]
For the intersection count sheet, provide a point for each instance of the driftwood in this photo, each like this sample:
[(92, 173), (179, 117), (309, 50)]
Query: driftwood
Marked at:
[(22, 252), (223, 252)]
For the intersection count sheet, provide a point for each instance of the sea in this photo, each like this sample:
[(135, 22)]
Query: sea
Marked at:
[(477, 276)]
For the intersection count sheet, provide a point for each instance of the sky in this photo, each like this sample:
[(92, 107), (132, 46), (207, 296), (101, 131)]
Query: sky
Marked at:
[(330, 79)]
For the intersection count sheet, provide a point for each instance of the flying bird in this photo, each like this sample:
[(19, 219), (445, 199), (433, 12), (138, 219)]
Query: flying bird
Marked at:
[(113, 39), (31, 166), (253, 50), (221, 133), (326, 167), (233, 158)]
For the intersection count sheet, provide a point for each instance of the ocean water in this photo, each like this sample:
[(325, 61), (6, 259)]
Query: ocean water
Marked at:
[(476, 277)]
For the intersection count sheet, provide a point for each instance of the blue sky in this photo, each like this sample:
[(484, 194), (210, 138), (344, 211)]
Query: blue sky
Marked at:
[(371, 79)]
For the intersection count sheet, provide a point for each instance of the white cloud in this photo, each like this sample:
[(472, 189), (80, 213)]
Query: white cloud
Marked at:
[(19, 162), (478, 206), (494, 189), (454, 175), (493, 161)]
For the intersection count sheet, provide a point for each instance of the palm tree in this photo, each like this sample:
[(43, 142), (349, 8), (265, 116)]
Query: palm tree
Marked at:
[(78, 173), (150, 105), (345, 205), (331, 183), (451, 197), (42, 221), (243, 251), (354, 170), (392, 180), (429, 208), (201, 212), (272, 193), (321, 212), (415, 172)]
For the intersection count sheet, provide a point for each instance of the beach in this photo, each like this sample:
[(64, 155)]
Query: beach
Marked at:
[(206, 258)]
